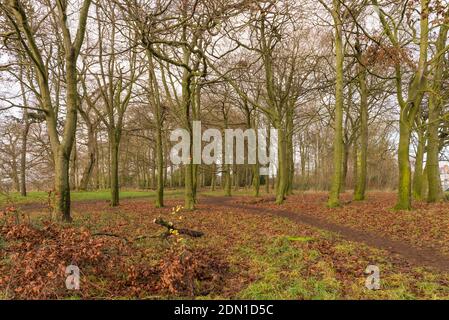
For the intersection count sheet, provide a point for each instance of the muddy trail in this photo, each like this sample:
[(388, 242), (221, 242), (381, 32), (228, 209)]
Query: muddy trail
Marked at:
[(417, 256)]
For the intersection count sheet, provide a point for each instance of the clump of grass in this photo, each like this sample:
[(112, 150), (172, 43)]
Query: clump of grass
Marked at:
[(99, 195), (300, 239), (281, 275)]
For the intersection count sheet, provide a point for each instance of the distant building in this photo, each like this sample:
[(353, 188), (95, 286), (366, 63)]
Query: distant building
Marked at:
[(444, 174)]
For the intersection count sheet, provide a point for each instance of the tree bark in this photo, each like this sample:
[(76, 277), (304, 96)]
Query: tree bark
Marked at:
[(91, 156), (155, 96), (62, 186), (404, 190), (334, 196), (418, 173), (114, 144), (282, 178), (435, 192), (362, 151)]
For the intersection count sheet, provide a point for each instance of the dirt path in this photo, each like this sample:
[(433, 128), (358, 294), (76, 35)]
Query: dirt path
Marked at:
[(421, 256)]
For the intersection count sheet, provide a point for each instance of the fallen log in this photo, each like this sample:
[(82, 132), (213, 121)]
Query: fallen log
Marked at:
[(170, 226)]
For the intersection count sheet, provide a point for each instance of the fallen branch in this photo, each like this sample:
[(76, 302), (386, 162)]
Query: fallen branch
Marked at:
[(111, 235), (147, 236), (170, 226)]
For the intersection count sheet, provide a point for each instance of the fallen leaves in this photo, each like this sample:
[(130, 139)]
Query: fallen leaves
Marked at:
[(222, 263)]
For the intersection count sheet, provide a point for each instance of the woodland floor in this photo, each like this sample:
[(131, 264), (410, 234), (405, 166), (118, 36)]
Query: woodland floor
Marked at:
[(251, 249)]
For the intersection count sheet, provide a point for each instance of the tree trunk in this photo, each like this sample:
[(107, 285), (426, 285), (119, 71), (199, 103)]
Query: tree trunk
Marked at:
[(195, 168), (236, 177), (418, 174), (404, 192), (63, 151), (73, 168), (26, 129), (114, 152), (214, 177), (23, 186), (97, 164), (15, 173), (256, 179), (282, 165), (189, 200), (156, 99), (153, 178), (160, 169), (362, 152), (92, 158), (289, 150), (227, 180), (344, 172), (435, 192), (334, 196), (62, 186)]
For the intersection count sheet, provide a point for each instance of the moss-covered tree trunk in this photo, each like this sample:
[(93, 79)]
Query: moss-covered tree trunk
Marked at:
[(196, 110), (334, 195), (114, 144), (289, 150), (73, 168), (25, 131), (195, 179), (418, 173), (435, 192), (186, 104), (227, 180), (362, 151), (23, 152), (282, 179), (62, 186), (64, 149), (267, 150), (404, 188), (256, 168), (236, 177), (159, 202), (155, 98), (410, 106), (256, 179), (61, 147), (213, 177), (189, 200), (345, 161), (91, 153)]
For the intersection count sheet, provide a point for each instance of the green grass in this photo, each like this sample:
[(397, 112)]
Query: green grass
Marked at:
[(14, 198), (280, 277), (219, 192), (281, 272), (41, 196)]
